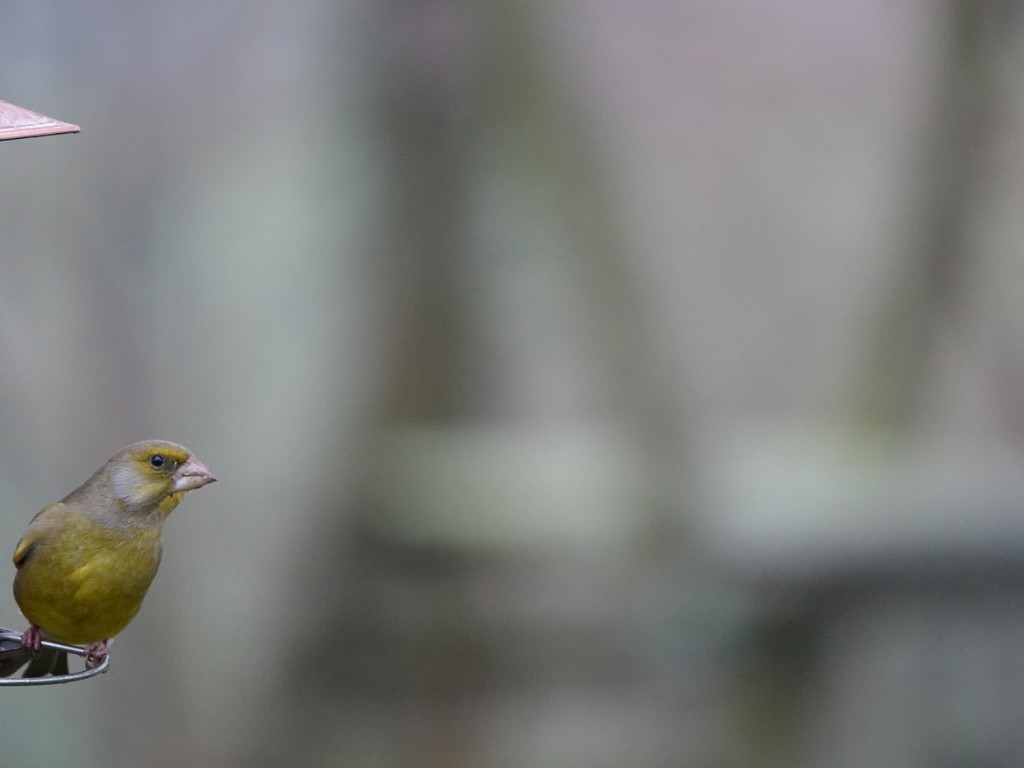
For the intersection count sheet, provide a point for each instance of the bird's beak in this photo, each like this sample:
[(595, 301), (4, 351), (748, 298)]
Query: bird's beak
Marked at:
[(192, 475)]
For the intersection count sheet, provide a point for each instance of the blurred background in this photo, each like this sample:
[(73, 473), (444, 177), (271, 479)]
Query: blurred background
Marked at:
[(590, 383)]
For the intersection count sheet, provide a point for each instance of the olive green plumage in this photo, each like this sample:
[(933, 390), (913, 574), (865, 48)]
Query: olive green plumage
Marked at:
[(85, 563)]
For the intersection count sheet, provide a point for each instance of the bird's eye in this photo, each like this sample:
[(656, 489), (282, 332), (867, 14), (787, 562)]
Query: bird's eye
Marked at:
[(156, 461)]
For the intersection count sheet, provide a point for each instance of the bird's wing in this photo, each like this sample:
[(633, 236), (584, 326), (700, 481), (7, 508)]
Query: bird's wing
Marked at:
[(37, 530)]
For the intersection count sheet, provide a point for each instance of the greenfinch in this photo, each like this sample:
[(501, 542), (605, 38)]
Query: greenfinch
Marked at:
[(85, 563)]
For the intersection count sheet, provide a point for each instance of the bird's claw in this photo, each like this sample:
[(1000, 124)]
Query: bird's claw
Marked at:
[(95, 653), (32, 639)]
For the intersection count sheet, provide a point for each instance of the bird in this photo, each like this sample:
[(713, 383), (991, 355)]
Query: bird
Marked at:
[(85, 563)]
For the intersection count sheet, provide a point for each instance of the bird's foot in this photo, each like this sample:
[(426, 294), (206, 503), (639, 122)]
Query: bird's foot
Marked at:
[(95, 653), (31, 639)]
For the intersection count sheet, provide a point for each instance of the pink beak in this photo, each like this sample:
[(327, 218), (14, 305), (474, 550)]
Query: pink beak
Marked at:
[(192, 475)]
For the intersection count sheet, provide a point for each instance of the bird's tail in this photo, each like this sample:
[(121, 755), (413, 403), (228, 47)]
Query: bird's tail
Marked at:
[(47, 662)]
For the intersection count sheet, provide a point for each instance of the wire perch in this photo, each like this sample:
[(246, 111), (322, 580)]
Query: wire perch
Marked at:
[(10, 644)]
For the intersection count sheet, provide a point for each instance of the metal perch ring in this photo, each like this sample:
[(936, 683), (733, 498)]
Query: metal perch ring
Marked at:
[(10, 644)]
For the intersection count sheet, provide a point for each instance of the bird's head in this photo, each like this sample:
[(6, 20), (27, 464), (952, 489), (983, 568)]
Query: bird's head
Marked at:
[(152, 475)]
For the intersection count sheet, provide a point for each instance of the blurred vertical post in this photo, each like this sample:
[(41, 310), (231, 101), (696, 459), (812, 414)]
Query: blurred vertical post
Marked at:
[(880, 663), (903, 376), (495, 554)]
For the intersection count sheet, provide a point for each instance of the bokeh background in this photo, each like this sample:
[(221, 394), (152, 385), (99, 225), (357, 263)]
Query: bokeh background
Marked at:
[(590, 383)]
